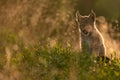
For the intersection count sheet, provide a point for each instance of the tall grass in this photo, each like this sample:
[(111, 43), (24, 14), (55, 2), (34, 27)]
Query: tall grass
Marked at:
[(25, 62), (59, 63), (27, 26)]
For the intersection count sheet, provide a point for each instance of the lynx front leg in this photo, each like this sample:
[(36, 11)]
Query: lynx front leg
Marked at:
[(95, 49)]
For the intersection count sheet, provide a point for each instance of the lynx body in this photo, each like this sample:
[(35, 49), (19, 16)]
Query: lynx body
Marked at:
[(91, 39)]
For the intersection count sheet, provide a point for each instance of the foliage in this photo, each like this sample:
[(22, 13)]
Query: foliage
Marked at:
[(56, 63)]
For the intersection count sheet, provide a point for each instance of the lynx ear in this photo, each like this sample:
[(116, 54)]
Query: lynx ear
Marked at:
[(78, 16), (92, 15)]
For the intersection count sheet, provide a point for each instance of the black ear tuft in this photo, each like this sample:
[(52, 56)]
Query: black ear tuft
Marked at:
[(92, 15), (78, 16)]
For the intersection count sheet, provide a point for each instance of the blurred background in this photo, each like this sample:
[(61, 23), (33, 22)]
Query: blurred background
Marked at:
[(49, 21), (28, 23)]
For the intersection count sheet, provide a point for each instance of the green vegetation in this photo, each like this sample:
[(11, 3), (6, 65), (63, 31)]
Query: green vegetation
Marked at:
[(56, 62), (59, 63)]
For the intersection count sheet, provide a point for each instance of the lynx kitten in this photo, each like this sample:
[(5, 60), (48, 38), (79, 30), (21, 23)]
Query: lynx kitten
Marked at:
[(91, 39)]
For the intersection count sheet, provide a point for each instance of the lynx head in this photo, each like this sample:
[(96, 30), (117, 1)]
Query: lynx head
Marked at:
[(86, 23)]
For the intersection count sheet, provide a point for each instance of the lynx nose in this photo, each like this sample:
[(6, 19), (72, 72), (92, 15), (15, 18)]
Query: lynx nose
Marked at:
[(85, 32)]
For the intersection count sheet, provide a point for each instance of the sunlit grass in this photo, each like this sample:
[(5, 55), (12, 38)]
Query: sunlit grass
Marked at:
[(52, 62), (30, 31)]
